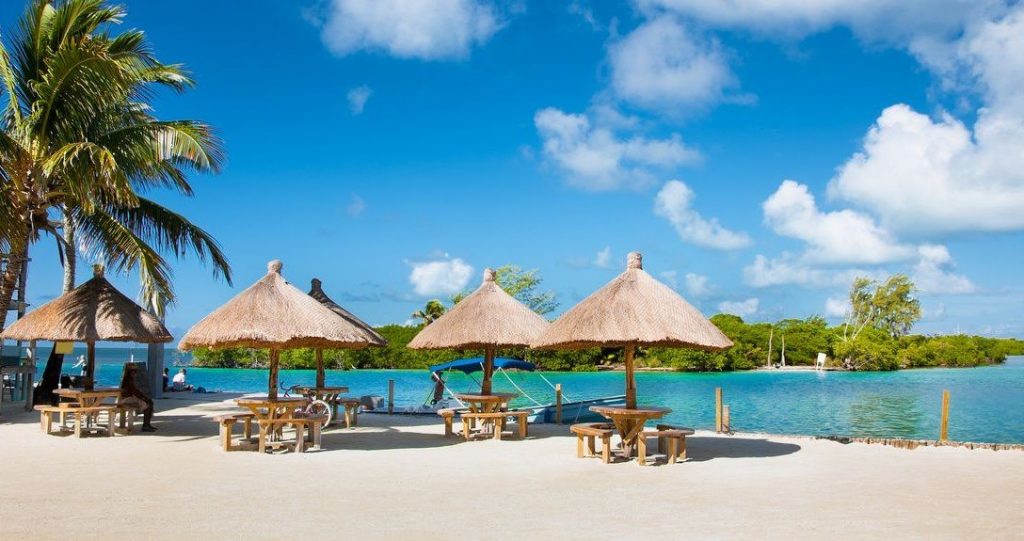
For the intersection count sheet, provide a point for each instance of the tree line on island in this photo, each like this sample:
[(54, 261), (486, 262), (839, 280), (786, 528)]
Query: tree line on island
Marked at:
[(874, 336)]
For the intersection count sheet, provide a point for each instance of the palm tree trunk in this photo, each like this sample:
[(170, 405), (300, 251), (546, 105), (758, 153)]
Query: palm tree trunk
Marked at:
[(11, 274), (70, 253)]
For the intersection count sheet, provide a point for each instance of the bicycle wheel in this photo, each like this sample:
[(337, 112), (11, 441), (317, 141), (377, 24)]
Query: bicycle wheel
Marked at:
[(319, 407)]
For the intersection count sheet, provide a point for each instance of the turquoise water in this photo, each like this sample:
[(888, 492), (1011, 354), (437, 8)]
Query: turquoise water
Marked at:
[(987, 404)]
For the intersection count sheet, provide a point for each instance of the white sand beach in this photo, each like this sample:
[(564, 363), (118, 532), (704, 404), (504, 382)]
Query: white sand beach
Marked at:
[(399, 478)]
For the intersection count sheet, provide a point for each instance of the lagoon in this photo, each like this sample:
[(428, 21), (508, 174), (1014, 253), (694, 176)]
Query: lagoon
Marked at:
[(987, 403)]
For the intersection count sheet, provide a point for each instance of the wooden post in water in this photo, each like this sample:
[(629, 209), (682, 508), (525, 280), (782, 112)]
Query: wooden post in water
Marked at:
[(391, 396), (718, 409), (726, 424), (944, 426), (558, 403)]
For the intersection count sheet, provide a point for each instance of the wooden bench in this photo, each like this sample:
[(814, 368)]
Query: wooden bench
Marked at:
[(673, 436), (307, 427), (227, 423), (82, 417), (590, 432), (351, 406), (498, 419)]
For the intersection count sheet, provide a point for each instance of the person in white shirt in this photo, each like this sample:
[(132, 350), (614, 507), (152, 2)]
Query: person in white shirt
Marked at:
[(179, 381)]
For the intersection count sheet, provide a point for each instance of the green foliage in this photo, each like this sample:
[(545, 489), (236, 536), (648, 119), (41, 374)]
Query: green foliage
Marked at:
[(872, 349), (524, 286), (890, 306), (430, 312)]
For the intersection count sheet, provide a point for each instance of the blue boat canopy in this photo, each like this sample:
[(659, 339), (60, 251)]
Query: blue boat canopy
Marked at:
[(476, 364)]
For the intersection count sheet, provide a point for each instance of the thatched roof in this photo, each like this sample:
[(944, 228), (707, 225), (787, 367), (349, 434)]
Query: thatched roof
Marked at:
[(487, 317), (362, 333), (94, 311), (272, 314), (633, 309)]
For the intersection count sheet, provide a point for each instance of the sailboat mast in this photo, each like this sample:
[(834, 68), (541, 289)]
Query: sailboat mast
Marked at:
[(771, 333), (783, 350)]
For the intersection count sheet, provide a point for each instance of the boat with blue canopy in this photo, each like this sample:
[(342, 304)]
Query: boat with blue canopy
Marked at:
[(443, 397)]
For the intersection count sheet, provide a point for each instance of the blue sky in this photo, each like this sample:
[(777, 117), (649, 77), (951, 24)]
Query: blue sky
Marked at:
[(759, 160)]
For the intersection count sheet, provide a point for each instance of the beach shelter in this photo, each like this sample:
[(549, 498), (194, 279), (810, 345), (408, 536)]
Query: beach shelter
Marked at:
[(92, 312), (487, 319), (362, 335), (271, 314), (633, 310)]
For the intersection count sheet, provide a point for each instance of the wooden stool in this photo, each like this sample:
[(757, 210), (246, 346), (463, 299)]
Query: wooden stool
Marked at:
[(591, 431), (227, 423), (671, 442)]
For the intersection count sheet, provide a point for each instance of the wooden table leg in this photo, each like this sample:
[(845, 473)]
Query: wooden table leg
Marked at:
[(579, 445), (300, 437), (641, 450), (263, 437)]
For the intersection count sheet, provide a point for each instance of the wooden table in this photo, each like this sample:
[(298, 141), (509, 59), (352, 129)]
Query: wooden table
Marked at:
[(88, 399), (82, 398), (485, 403), (629, 422), (327, 394), (269, 410)]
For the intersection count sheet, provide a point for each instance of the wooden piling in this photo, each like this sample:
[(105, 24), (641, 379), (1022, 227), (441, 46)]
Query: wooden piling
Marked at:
[(391, 396), (944, 426), (718, 409), (558, 403), (726, 423)]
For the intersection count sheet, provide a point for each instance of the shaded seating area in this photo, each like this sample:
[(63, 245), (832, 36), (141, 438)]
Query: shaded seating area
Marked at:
[(487, 319), (633, 310), (273, 314)]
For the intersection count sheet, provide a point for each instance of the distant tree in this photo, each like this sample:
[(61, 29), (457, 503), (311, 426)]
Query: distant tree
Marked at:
[(890, 306), (524, 286), (430, 312)]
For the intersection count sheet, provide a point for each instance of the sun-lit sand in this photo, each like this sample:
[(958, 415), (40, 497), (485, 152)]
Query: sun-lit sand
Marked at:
[(398, 478)]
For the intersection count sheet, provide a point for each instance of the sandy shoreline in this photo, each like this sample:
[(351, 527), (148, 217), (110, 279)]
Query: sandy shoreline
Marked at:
[(398, 478)]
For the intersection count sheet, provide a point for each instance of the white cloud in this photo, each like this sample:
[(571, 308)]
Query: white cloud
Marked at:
[(661, 65), (357, 99), (424, 29), (842, 236), (788, 269), (837, 307), (356, 206), (932, 176), (874, 20), (745, 308), (595, 157), (445, 277), (933, 275), (697, 285), (673, 203), (603, 258)]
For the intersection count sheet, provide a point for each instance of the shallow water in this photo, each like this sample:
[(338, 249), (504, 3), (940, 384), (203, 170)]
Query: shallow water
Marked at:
[(987, 404)]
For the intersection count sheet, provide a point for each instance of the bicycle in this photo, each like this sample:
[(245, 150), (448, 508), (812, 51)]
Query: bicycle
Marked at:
[(314, 406)]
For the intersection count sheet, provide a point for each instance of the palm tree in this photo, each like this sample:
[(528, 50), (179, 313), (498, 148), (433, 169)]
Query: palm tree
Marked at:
[(430, 312), (78, 146)]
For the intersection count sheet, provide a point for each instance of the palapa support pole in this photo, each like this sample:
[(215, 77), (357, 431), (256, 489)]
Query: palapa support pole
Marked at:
[(485, 386), (320, 376), (272, 381), (558, 403), (718, 410), (90, 365), (944, 425), (630, 378), (391, 396)]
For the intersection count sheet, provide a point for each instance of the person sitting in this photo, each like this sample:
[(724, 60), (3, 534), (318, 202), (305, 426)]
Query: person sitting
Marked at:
[(167, 379), (129, 392), (179, 382)]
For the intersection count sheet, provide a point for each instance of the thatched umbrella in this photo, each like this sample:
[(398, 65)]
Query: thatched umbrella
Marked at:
[(633, 310), (270, 314), (94, 311), (487, 319), (362, 335)]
